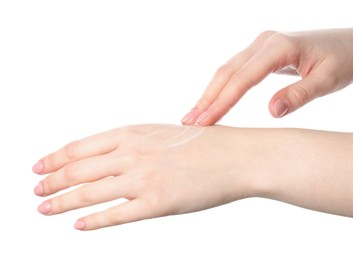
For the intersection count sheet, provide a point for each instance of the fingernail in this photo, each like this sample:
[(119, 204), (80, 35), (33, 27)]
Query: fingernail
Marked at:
[(202, 117), (45, 207), (38, 167), (38, 190), (80, 225), (190, 117), (280, 107)]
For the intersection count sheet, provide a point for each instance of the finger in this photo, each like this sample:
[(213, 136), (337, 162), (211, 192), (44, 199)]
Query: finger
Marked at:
[(219, 80), (90, 146), (225, 72), (297, 95), (127, 212), (222, 77), (83, 171), (266, 61), (89, 194)]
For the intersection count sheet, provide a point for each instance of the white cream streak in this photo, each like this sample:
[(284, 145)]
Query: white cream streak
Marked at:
[(175, 135), (188, 134), (158, 131), (181, 132)]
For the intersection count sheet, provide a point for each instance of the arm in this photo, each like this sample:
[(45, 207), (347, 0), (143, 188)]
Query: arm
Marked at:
[(165, 170), (307, 168), (323, 58)]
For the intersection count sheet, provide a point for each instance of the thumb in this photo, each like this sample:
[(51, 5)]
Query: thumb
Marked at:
[(294, 96)]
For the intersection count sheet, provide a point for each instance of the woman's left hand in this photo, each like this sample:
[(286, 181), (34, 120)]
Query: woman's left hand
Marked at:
[(160, 169)]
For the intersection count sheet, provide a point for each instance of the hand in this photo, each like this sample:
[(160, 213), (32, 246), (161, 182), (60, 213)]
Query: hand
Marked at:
[(163, 170), (323, 58), (160, 169)]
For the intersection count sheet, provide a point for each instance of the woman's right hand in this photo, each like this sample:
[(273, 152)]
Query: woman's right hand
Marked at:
[(323, 58)]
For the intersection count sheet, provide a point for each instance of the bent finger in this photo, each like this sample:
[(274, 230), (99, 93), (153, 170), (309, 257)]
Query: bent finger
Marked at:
[(254, 71), (222, 77), (296, 95), (215, 87)]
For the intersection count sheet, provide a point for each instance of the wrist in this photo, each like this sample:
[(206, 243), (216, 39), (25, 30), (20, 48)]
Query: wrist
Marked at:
[(251, 161)]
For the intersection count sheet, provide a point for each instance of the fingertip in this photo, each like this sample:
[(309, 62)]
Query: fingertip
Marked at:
[(209, 117), (45, 208), (187, 120), (204, 119), (38, 190), (80, 225), (279, 107), (38, 168), (191, 117), (203, 123)]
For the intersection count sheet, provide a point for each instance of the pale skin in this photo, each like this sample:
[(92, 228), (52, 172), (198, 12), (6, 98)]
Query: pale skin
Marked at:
[(323, 59), (166, 170), (218, 165)]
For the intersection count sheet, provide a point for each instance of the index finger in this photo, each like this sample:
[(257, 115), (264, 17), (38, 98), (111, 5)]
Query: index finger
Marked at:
[(90, 146), (266, 61)]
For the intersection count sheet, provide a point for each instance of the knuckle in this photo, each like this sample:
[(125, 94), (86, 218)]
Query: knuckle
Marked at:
[(47, 185), (119, 215), (142, 182), (301, 95), (71, 150), (58, 205), (50, 162), (265, 35), (248, 83), (223, 71), (69, 175), (127, 129), (205, 102), (223, 105), (87, 195), (154, 202), (128, 161), (114, 218), (161, 204), (280, 40), (242, 82), (93, 220), (131, 132)]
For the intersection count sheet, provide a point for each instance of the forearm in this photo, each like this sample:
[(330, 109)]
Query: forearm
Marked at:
[(311, 169)]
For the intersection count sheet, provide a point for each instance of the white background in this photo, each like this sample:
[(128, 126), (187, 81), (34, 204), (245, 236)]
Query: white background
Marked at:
[(69, 69)]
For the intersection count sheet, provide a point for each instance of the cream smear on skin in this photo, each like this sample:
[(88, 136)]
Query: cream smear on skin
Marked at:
[(174, 136)]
